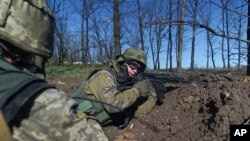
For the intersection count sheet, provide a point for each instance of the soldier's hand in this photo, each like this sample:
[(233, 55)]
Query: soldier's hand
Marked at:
[(144, 87)]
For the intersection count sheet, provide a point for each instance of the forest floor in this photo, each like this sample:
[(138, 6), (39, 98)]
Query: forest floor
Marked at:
[(199, 110)]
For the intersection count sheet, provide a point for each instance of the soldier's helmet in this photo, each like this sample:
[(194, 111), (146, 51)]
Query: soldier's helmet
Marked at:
[(27, 25), (134, 54)]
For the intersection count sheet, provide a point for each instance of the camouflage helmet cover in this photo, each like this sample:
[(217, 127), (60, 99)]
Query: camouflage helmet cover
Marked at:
[(27, 25), (135, 54)]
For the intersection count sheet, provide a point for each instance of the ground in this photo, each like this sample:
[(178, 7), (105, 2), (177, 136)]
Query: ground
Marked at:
[(201, 109)]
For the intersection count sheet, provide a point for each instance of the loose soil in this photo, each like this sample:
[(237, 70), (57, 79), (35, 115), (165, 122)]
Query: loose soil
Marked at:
[(199, 110)]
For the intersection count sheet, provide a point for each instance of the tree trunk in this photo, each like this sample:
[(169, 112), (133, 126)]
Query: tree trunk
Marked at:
[(87, 43), (83, 35), (176, 36), (99, 41), (228, 42), (211, 48), (193, 37), (140, 21), (170, 42), (158, 44), (248, 38), (168, 52), (207, 51), (117, 36), (239, 42), (223, 39), (151, 40), (180, 36)]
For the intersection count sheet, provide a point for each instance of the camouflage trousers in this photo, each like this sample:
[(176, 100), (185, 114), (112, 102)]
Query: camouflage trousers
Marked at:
[(50, 120)]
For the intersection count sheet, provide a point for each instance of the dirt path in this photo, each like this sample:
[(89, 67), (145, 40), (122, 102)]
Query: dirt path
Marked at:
[(200, 110)]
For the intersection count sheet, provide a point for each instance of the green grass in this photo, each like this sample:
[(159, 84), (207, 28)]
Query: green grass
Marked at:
[(70, 70), (79, 70)]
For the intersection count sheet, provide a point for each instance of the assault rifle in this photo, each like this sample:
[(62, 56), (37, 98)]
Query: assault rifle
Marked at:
[(159, 81)]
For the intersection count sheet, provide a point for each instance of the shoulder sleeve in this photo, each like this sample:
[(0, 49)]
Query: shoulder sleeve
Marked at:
[(103, 86)]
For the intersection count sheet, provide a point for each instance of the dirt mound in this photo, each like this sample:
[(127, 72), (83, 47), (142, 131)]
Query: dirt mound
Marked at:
[(200, 110)]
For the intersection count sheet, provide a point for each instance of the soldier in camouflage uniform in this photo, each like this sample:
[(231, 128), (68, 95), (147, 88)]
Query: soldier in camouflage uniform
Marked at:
[(117, 88), (32, 108)]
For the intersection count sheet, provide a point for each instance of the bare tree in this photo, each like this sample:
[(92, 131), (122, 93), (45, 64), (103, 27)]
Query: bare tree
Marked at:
[(206, 17), (151, 38), (194, 9), (85, 10), (228, 13), (238, 22), (159, 29), (61, 17), (117, 36), (88, 8), (61, 35), (240, 25), (180, 37), (223, 38), (140, 22), (228, 34), (74, 53), (210, 46), (170, 42), (108, 41), (178, 7), (99, 41), (156, 31), (134, 25), (248, 38)]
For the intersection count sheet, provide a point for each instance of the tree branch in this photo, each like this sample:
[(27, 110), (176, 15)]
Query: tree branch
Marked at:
[(194, 23)]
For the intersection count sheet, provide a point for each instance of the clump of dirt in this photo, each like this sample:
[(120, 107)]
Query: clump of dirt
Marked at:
[(202, 109)]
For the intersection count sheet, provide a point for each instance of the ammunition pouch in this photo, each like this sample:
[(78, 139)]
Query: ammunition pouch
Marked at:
[(90, 106), (94, 109)]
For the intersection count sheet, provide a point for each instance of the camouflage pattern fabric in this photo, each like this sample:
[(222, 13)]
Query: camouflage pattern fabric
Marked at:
[(136, 54), (147, 106), (50, 120), (29, 26), (19, 25), (103, 86)]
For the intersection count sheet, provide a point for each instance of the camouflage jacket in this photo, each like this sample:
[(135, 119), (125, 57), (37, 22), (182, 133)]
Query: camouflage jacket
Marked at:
[(103, 86), (50, 120), (48, 117)]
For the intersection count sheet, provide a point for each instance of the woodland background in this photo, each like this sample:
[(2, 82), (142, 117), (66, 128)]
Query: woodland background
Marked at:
[(94, 31), (90, 32)]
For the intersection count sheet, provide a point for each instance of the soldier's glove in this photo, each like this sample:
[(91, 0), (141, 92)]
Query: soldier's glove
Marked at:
[(144, 87)]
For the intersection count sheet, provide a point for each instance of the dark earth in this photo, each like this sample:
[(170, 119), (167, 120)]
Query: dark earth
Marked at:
[(201, 109)]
